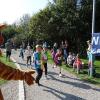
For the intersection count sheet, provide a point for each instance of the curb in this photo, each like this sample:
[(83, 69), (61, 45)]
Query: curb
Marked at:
[(21, 84)]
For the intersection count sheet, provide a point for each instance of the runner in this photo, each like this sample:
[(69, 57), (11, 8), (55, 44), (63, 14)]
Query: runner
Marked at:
[(44, 60), (21, 52), (58, 60), (37, 63), (28, 55)]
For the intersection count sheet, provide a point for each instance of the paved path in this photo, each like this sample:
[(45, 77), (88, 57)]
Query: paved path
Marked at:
[(67, 87), (10, 90)]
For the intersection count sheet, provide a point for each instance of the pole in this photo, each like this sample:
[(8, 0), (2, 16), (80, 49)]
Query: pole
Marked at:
[(93, 17), (93, 30)]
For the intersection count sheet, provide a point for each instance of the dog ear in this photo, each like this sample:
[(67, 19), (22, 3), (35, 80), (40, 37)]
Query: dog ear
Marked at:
[(28, 78)]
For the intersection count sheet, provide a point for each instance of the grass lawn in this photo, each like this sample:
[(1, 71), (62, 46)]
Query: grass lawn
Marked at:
[(3, 59), (84, 73)]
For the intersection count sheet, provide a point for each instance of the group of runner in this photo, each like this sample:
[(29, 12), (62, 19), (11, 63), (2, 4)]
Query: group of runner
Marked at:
[(38, 58)]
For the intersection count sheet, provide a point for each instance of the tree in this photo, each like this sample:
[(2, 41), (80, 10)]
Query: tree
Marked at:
[(39, 24), (60, 20), (9, 32), (22, 28)]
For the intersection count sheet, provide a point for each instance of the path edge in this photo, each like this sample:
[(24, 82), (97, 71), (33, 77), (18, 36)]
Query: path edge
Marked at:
[(21, 93)]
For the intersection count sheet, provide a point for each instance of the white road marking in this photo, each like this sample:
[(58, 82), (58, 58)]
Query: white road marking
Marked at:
[(21, 85)]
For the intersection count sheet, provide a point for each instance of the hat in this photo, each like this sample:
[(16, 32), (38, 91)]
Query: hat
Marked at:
[(38, 46)]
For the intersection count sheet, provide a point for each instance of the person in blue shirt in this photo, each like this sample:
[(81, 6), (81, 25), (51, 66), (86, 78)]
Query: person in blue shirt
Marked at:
[(21, 52), (37, 63), (91, 58)]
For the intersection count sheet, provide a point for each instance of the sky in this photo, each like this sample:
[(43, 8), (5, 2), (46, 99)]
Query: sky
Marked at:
[(12, 10)]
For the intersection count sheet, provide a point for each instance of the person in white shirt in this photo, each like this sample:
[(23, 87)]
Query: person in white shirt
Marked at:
[(70, 59), (28, 55)]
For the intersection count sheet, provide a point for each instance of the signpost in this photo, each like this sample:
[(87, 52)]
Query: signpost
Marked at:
[(96, 43), (95, 40), (93, 29)]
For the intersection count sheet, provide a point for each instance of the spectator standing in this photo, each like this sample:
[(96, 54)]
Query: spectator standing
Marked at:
[(65, 51), (78, 64), (70, 59), (91, 59), (45, 44), (62, 47), (73, 58)]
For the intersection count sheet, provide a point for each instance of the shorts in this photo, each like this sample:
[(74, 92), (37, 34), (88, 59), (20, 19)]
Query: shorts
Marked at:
[(8, 53), (59, 63)]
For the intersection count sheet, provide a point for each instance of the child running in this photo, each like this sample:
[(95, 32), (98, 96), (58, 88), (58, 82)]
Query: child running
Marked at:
[(28, 55), (37, 63), (44, 60), (58, 60)]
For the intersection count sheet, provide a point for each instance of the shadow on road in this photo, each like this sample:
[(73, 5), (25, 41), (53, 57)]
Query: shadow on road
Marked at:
[(64, 76), (75, 84), (61, 95), (20, 63)]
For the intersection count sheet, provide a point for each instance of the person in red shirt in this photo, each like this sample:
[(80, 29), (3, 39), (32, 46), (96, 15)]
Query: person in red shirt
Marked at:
[(78, 64), (58, 60)]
